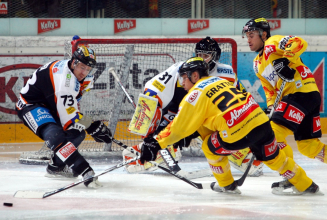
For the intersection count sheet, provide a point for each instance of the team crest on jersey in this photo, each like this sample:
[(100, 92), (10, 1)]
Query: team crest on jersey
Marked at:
[(238, 114), (193, 97), (283, 42), (298, 84), (269, 49), (305, 72), (294, 114)]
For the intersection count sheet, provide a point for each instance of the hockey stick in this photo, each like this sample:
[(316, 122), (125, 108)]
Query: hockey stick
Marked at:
[(175, 168), (112, 71), (241, 180), (171, 163), (42, 195), (279, 94)]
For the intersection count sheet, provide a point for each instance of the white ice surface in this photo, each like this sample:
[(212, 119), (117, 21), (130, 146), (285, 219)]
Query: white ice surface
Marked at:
[(156, 196)]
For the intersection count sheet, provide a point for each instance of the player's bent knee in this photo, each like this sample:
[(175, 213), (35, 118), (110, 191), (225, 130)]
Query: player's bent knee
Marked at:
[(312, 148)]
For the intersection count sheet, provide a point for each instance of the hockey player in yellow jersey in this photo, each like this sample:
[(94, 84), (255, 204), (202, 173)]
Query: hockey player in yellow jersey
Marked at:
[(279, 60), (227, 120)]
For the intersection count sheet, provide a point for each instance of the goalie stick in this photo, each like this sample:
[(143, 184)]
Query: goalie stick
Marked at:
[(41, 195), (112, 71)]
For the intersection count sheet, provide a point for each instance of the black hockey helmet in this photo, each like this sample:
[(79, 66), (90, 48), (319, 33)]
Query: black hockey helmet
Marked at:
[(194, 64), (258, 24), (208, 46), (85, 55)]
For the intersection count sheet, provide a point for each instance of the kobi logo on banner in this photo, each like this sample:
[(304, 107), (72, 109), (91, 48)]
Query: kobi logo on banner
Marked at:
[(45, 25), (197, 25), (274, 24), (124, 25), (3, 8)]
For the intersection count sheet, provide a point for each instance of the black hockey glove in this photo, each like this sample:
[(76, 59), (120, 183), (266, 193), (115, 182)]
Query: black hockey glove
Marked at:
[(100, 132), (149, 150), (185, 142), (283, 70), (267, 111)]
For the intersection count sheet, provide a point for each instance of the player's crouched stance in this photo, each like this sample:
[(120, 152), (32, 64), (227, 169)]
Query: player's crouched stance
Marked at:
[(227, 120), (48, 107)]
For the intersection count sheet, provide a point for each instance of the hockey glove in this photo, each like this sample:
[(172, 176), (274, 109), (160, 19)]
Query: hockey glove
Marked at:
[(283, 70), (185, 142), (267, 110), (149, 150), (100, 132)]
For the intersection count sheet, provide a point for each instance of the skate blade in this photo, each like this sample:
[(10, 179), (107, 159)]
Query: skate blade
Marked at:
[(94, 185), (292, 191), (54, 176)]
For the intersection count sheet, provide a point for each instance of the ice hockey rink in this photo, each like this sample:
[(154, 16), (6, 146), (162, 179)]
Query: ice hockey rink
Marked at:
[(154, 196)]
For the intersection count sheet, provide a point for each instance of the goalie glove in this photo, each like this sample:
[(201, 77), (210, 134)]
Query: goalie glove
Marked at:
[(283, 70), (149, 149), (100, 132)]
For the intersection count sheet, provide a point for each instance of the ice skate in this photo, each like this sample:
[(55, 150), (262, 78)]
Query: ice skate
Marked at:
[(59, 172), (92, 182), (232, 188), (286, 188)]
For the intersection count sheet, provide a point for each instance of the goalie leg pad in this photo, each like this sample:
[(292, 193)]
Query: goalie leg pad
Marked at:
[(240, 161), (146, 117)]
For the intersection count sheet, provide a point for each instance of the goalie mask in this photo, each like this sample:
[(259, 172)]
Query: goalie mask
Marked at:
[(191, 65), (87, 57), (209, 50)]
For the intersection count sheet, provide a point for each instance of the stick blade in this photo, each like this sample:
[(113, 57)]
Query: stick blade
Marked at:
[(29, 194)]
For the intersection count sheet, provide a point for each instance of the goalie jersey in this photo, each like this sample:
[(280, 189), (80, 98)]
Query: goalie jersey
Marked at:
[(55, 87), (214, 104), (290, 47), (167, 89)]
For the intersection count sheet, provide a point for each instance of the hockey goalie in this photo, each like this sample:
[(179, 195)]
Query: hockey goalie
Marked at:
[(159, 103)]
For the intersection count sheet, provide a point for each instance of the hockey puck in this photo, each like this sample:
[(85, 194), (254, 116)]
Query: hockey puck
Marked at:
[(7, 204)]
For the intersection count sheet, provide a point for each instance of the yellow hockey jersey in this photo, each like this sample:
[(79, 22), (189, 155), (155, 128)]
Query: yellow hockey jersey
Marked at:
[(214, 104), (290, 47)]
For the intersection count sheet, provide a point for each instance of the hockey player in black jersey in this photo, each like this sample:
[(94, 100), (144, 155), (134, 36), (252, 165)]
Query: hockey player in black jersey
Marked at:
[(48, 105)]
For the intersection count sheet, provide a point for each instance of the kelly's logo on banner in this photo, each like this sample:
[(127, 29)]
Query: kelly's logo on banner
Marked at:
[(45, 25), (274, 24), (3, 8), (124, 25), (197, 25)]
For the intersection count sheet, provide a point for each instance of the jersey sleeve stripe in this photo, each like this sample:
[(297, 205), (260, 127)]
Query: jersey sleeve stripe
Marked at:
[(52, 80), (228, 78)]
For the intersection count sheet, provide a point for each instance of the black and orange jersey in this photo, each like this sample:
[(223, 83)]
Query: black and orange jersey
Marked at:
[(56, 87)]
